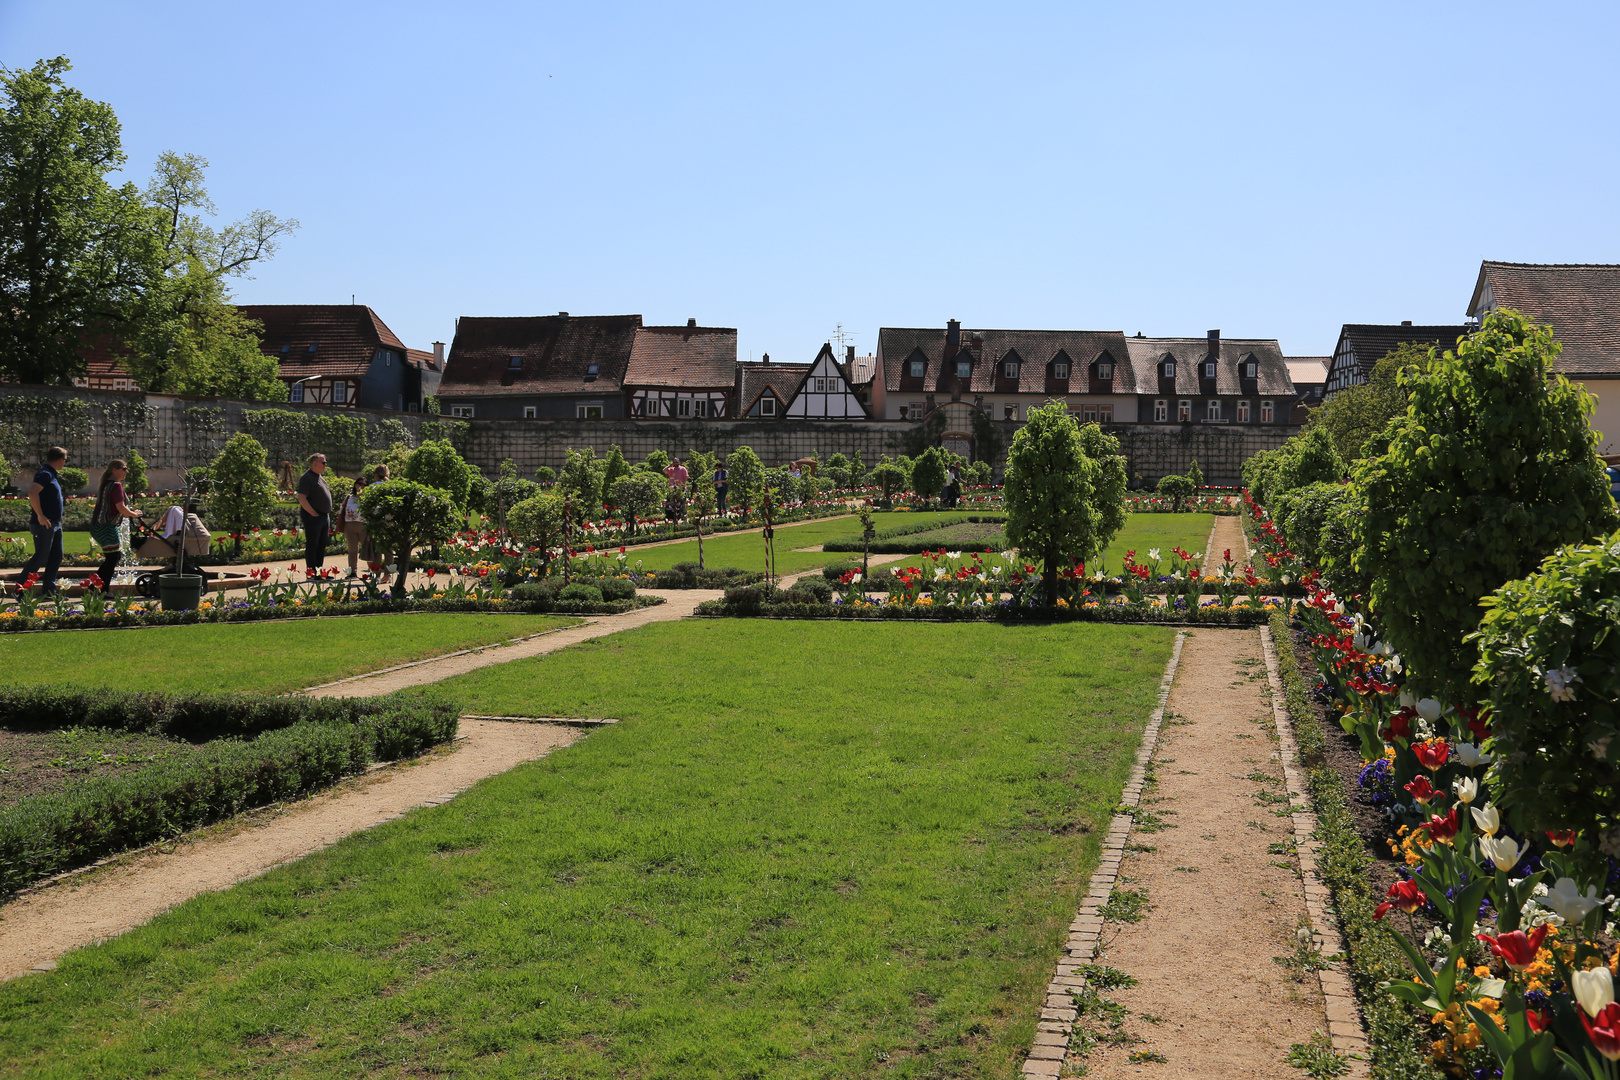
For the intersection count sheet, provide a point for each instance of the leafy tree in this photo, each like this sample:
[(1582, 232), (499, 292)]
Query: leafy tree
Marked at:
[(639, 494), (1492, 467), (928, 472), (436, 464), (745, 477), (702, 501), (537, 523), (1354, 415), (980, 473), (507, 492), (135, 478), (396, 456), (890, 477), (242, 490), (545, 474), (70, 243), (1065, 491), (1195, 474), (612, 468), (657, 461), (1177, 488), (402, 515), (72, 479), (1305, 513), (581, 477)]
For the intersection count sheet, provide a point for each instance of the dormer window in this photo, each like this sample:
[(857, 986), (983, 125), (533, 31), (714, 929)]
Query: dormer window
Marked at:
[(964, 369), (1170, 369), (590, 371), (1209, 369), (916, 369), (286, 350), (1251, 368), (515, 362), (1060, 370), (1105, 370), (1010, 369)]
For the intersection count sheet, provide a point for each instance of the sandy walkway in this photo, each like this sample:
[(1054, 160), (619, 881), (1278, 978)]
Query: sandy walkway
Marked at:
[(1228, 536), (83, 908), (1222, 893)]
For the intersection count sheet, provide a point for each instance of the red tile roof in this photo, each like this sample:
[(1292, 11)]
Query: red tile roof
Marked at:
[(753, 379), (346, 337), (689, 357), (1035, 349), (555, 353), (1581, 302)]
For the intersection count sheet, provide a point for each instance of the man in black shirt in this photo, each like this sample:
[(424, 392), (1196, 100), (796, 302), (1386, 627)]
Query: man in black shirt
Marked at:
[(45, 498), (315, 508)]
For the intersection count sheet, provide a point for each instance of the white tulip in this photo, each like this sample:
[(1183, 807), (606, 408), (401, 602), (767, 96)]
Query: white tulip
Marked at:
[(1360, 641), (1153, 553), (1594, 989), (1470, 755), (941, 575), (1502, 850), (1009, 555), (1430, 709), (1565, 898), (1487, 818), (953, 554), (1407, 700), (1467, 789), (855, 579), (1393, 665)]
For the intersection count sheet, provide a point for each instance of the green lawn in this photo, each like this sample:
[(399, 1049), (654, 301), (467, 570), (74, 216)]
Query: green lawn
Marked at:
[(272, 657), (747, 550), (809, 850), (1142, 533)]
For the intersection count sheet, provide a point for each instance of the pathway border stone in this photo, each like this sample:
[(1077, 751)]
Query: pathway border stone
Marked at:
[(1346, 1028), (1051, 1048)]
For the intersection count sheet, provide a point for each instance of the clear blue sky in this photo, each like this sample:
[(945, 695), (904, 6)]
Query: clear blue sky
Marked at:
[(1271, 170)]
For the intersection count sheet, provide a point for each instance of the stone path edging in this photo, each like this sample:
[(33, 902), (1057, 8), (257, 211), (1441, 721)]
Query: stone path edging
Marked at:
[(1346, 1028), (1051, 1048)]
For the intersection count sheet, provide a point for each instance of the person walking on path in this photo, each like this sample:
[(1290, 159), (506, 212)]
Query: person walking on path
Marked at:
[(354, 527), (720, 478), (112, 507), (45, 497), (315, 506)]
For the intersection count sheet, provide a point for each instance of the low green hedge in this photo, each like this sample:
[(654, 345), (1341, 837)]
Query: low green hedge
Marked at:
[(686, 575), (1397, 1033), (302, 744), (857, 543), (802, 603)]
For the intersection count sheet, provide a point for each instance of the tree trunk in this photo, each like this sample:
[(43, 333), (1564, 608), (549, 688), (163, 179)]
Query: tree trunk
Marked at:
[(1049, 574), (403, 558), (697, 523)]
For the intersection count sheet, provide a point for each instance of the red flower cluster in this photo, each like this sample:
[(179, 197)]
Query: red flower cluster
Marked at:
[(1432, 754), (1516, 948), (1405, 895)]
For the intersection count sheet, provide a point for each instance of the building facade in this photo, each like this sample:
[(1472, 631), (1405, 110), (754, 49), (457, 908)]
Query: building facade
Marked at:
[(541, 367), (1362, 345), (338, 354), (682, 372)]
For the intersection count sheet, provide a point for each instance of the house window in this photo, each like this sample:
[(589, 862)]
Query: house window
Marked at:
[(916, 369), (296, 393), (591, 410), (1251, 370), (340, 392), (1161, 411), (1009, 412), (528, 412), (590, 371), (1243, 412), (767, 406), (1105, 414), (1265, 412), (964, 369), (1212, 411), (700, 407), (1060, 370), (1184, 411), (1209, 370), (1170, 369), (916, 410), (683, 407), (1089, 412), (1105, 370), (514, 363), (463, 411), (1010, 369)]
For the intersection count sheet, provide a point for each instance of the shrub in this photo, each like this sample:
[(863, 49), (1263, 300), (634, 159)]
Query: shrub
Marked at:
[(834, 571), (745, 473), (928, 472), (537, 523), (72, 479), (437, 464), (1195, 474), (243, 490), (616, 588), (135, 478), (580, 591), (545, 474), (810, 590), (1176, 488), (537, 594), (1303, 515), (1549, 653), (638, 494)]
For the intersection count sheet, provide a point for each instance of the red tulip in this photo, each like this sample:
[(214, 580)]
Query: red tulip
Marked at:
[(1604, 1030), (93, 582), (1539, 1020), (1443, 828), (1563, 837), (1406, 895), (1516, 948), (1400, 725), (1422, 790), (1432, 754)]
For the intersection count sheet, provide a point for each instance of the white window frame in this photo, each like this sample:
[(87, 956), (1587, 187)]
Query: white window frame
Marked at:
[(340, 392), (1170, 369), (295, 393), (1105, 371), (1243, 411), (1105, 413), (529, 412), (1060, 370), (964, 369), (1184, 411), (1088, 413), (683, 408), (1161, 411), (1209, 369), (1251, 370), (463, 411), (918, 369), (1267, 412), (767, 405), (1212, 409), (584, 409), (1010, 369)]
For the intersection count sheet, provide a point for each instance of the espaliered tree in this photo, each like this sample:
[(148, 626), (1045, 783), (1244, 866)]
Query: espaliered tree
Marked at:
[(1490, 469), (1065, 491), (402, 515), (702, 500)]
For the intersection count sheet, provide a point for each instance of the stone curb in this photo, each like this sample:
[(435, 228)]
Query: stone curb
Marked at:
[(1346, 1028), (1051, 1048)]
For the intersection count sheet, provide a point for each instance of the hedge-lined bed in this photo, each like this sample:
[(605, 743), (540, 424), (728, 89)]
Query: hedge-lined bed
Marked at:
[(763, 601), (889, 542), (255, 750)]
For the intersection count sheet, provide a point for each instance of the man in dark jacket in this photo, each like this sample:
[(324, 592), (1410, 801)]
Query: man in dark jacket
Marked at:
[(315, 506), (45, 497)]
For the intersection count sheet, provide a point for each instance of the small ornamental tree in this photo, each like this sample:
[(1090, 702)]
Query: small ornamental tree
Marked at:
[(889, 477), (242, 490), (639, 494), (402, 515), (1492, 467), (1176, 488), (135, 479), (612, 468), (928, 472), (657, 461), (745, 478), (1195, 474), (581, 477), (1549, 655), (702, 500), (538, 523), (507, 492), (1064, 489), (437, 464)]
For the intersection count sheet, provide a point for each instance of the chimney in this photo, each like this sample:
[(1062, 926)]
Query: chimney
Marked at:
[(849, 354), (1406, 322), (562, 314), (691, 322), (953, 333), (438, 354), (1214, 344), (765, 358)]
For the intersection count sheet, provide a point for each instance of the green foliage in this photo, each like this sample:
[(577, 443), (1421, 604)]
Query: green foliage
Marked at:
[(401, 515), (507, 492), (928, 472), (1306, 458), (612, 468), (639, 494), (243, 490), (1549, 654), (581, 477), (745, 477), (1305, 513), (889, 476), (581, 593), (1064, 489), (979, 473), (657, 461), (1177, 488), (135, 478), (34, 424), (292, 436), (1492, 467), (987, 441), (545, 474), (1195, 474), (481, 494), (537, 523), (72, 479), (436, 464), (395, 456), (387, 433), (1354, 416)]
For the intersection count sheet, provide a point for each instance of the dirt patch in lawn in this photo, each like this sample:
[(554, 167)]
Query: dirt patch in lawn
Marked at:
[(35, 763)]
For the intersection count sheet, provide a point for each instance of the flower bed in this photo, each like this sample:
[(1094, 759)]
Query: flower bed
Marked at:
[(1158, 504)]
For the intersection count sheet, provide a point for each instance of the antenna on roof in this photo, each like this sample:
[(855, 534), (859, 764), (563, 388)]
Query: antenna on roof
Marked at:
[(351, 299), (842, 336)]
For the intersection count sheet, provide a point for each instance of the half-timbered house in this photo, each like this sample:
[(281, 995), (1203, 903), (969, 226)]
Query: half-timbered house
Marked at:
[(338, 354), (763, 389), (1362, 345), (682, 372), (824, 393)]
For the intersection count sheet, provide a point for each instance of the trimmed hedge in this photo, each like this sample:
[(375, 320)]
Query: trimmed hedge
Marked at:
[(686, 575), (763, 601), (856, 543), (1396, 1032), (302, 744)]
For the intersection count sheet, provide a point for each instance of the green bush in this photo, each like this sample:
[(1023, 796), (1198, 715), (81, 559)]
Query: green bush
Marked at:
[(810, 590), (1304, 513), (616, 588), (437, 464), (72, 480), (1176, 488), (579, 591), (1549, 654), (135, 478), (545, 474), (687, 575), (834, 571)]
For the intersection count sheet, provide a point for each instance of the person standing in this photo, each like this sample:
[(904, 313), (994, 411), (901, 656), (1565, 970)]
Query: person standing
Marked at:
[(112, 507), (45, 497), (720, 480), (315, 506), (675, 499), (354, 527)]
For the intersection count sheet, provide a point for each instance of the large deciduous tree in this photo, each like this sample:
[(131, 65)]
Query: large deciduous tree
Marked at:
[(1064, 489), (1491, 467)]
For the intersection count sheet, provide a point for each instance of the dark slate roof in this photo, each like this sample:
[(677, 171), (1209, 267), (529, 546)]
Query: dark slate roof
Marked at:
[(346, 337), (752, 378), (1371, 342), (1308, 370), (1147, 353), (683, 356), (1581, 302), (1035, 348), (556, 352)]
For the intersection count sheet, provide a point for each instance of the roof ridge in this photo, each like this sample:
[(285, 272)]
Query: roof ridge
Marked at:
[(1554, 266)]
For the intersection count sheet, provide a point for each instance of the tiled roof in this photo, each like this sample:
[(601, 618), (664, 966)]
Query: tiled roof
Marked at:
[(865, 368), (556, 352), (422, 358), (1308, 370), (1371, 342), (102, 355), (683, 356), (754, 377), (346, 337), (1581, 302), (1035, 348), (1147, 353)]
